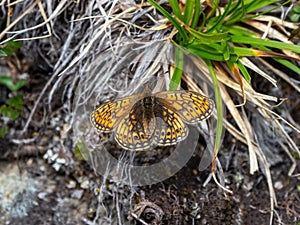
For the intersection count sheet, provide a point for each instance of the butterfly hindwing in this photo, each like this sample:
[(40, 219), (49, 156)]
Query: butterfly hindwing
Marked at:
[(131, 135), (170, 129)]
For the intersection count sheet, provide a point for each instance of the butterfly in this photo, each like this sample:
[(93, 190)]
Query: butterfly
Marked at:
[(141, 121)]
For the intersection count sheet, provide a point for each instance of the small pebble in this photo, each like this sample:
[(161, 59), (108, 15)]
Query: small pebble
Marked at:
[(278, 185)]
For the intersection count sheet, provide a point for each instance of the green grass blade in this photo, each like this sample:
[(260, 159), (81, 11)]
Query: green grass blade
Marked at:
[(212, 48), (225, 50), (220, 18), (218, 99), (188, 12), (266, 43), (239, 31), (252, 6), (237, 12), (248, 6), (242, 52), (196, 15), (288, 64), (176, 77), (206, 55), (239, 7), (244, 71), (209, 38), (178, 26), (176, 9)]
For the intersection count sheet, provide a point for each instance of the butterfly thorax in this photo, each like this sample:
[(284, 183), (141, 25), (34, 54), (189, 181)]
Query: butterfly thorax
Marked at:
[(148, 119)]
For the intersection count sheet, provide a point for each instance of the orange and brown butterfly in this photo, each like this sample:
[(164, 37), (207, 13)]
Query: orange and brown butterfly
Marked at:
[(141, 121)]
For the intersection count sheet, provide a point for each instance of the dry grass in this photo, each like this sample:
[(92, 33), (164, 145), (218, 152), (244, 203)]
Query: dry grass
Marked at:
[(89, 45)]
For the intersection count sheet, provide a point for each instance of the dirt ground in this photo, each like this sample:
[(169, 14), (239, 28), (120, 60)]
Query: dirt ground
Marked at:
[(37, 188)]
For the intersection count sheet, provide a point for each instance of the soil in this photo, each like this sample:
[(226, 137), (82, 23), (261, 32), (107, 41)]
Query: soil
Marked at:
[(37, 188)]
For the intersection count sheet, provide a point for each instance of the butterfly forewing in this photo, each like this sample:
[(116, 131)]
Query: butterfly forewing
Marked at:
[(191, 106), (102, 117), (108, 115)]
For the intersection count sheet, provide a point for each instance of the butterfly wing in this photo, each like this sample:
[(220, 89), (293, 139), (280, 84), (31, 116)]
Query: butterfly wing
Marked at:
[(170, 129), (191, 106), (130, 134), (108, 115)]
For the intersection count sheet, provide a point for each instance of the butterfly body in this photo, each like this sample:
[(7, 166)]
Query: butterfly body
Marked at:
[(143, 114), (141, 121)]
